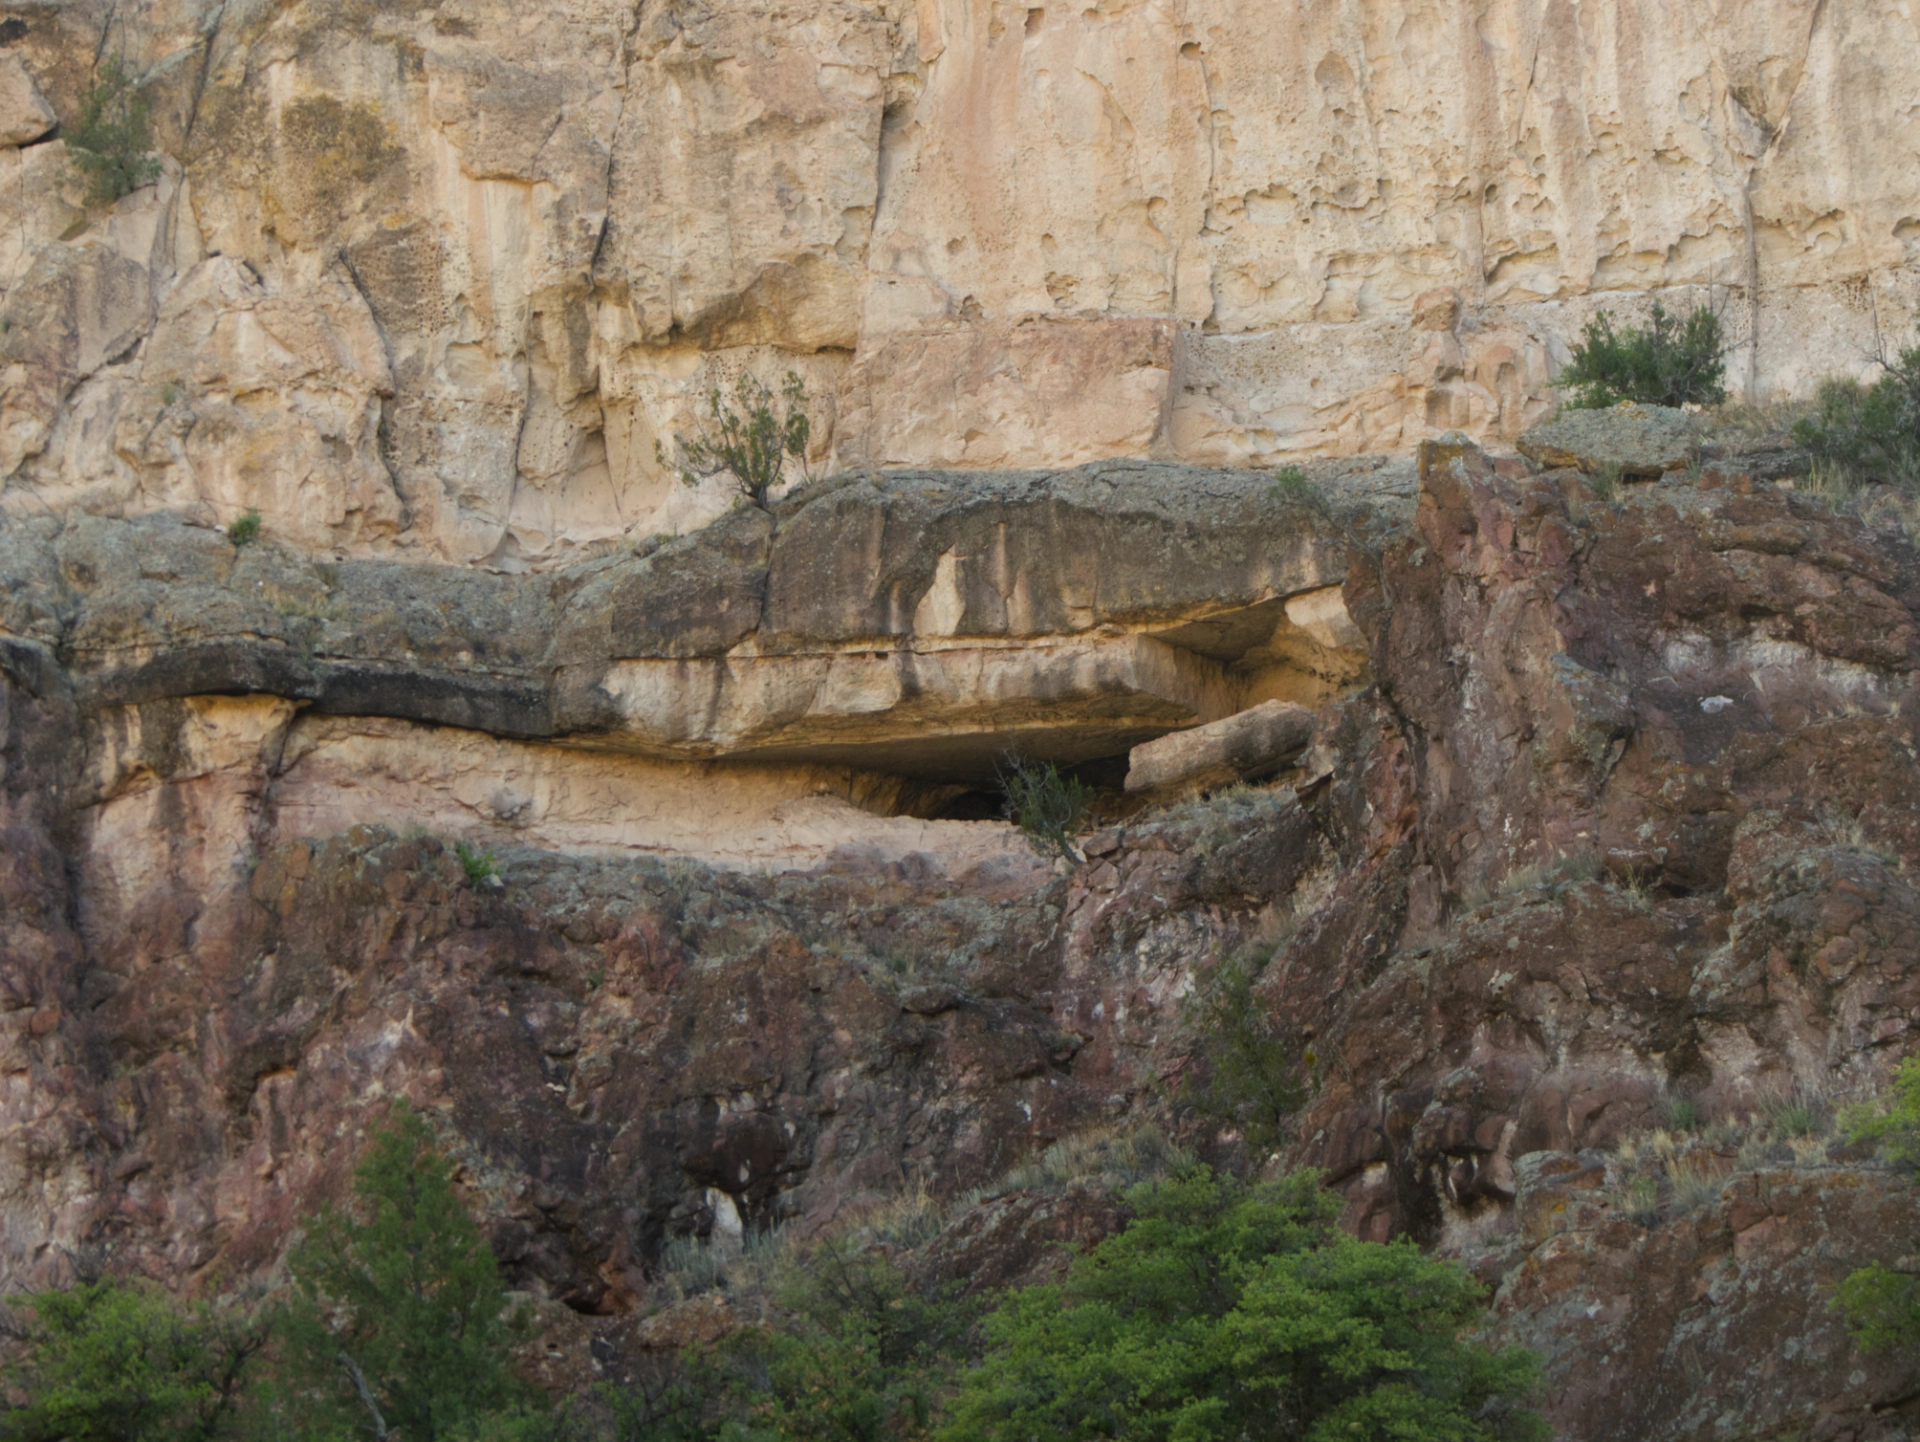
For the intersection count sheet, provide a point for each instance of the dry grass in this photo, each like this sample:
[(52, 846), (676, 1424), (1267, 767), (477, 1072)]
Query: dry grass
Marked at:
[(1552, 875), (1758, 421), (1674, 1170), (1114, 1158)]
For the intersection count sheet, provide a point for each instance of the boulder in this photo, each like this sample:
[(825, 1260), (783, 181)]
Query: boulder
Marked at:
[(1252, 743), (1634, 442), (25, 115)]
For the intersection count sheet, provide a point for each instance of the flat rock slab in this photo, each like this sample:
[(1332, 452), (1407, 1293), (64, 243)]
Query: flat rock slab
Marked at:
[(1631, 441), (1248, 744)]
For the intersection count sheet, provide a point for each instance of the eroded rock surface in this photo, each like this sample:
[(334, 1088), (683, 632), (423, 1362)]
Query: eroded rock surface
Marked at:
[(915, 624), (437, 278), (1612, 806)]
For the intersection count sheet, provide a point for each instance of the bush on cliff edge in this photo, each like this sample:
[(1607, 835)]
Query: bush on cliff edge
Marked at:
[(1869, 433), (1881, 1303), (1671, 361)]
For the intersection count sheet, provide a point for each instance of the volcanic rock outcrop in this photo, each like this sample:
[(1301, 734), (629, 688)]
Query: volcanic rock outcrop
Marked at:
[(1613, 807)]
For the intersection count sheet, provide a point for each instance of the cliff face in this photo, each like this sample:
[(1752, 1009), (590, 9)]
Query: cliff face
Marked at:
[(439, 277), (1611, 807)]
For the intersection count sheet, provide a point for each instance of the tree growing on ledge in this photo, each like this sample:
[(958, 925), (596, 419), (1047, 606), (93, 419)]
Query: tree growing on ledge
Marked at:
[(754, 440), (109, 142), (1672, 361)]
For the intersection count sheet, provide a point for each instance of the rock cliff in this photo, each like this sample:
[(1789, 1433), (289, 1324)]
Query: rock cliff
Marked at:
[(653, 848), (1609, 807), (438, 277)]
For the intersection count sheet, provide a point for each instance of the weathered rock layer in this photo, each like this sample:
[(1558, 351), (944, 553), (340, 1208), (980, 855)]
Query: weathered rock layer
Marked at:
[(1611, 806), (440, 276)]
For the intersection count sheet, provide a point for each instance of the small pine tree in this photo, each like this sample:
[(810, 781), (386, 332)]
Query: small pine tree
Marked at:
[(1248, 1076), (109, 142), (1672, 361), (399, 1325), (1049, 808), (755, 440), (121, 1361)]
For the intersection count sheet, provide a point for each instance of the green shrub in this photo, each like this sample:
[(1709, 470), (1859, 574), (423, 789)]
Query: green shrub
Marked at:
[(479, 865), (865, 1354), (1049, 808), (753, 441), (1247, 1077), (1796, 1115), (1683, 1114), (245, 529), (1669, 362), (1869, 433), (1894, 1126), (120, 1361), (1227, 1311), (1291, 483), (399, 1320), (1881, 1303), (109, 141), (855, 1351)]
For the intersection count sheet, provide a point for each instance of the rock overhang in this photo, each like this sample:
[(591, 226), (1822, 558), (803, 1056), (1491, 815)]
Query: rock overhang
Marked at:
[(923, 624)]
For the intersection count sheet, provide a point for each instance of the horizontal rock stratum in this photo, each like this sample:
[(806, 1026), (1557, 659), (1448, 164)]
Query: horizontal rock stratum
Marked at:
[(437, 278), (917, 624)]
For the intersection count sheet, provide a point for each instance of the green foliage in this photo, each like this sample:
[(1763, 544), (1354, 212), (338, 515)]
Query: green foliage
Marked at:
[(1669, 362), (245, 529), (864, 1356), (1683, 1114), (1796, 1115), (1291, 483), (479, 865), (1228, 1311), (1048, 807), (109, 141), (1894, 1126), (1869, 433), (752, 440), (399, 1322), (1882, 1304), (115, 1361), (858, 1352), (1249, 1077)]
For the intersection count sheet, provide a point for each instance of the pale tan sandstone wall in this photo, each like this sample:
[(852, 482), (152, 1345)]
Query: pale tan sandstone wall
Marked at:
[(437, 277)]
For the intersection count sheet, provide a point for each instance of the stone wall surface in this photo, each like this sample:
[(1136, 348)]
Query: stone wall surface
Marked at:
[(436, 278), (653, 846), (1617, 812)]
